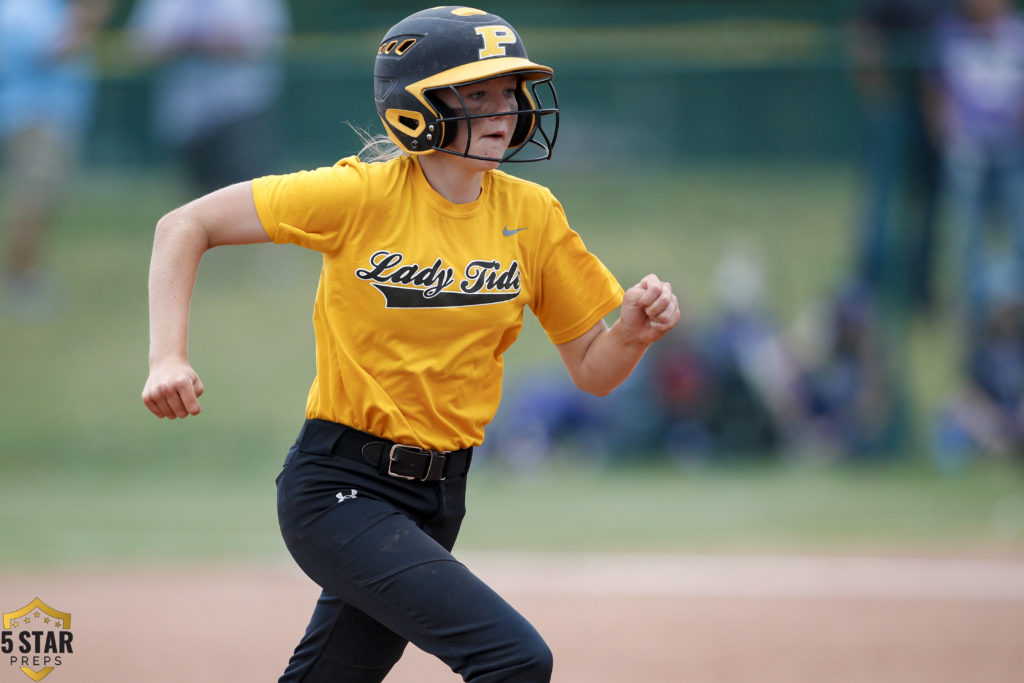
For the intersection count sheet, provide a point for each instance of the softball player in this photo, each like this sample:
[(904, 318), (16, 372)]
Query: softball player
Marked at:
[(429, 259)]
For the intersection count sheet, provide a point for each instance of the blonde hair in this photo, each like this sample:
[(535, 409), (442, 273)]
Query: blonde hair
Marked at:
[(375, 147)]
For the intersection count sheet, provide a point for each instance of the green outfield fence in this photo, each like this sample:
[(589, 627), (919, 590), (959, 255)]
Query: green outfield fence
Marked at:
[(660, 82)]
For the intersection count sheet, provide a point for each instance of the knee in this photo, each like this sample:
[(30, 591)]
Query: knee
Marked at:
[(538, 663), (528, 660)]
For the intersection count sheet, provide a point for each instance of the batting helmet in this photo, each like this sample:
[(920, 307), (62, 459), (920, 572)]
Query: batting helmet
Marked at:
[(446, 47)]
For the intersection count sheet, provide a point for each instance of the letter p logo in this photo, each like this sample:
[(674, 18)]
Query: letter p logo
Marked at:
[(495, 40)]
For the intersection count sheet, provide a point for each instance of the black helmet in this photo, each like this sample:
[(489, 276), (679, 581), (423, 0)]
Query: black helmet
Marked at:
[(445, 47)]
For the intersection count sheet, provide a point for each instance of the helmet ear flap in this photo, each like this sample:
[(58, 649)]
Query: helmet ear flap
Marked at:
[(448, 129), (524, 122)]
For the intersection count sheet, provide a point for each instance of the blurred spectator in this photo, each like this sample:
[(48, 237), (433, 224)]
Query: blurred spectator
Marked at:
[(683, 386), (753, 377), (897, 232), (730, 390), (219, 77), (46, 90), (545, 414), (977, 110), (987, 415), (855, 405)]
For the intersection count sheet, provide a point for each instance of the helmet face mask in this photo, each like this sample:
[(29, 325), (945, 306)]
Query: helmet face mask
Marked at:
[(530, 131), (443, 49)]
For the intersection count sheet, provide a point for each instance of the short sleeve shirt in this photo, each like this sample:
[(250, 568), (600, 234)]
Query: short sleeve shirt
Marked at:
[(419, 297), (982, 71)]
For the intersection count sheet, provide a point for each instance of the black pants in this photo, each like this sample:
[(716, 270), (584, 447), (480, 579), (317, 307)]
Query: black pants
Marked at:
[(380, 549)]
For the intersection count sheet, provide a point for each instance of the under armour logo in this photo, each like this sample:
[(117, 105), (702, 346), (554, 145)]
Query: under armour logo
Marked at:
[(342, 496)]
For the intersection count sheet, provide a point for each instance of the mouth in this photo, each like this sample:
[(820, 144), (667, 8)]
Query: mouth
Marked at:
[(498, 136)]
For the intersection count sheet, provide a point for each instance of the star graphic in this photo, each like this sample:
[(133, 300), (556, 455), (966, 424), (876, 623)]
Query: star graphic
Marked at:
[(28, 619), (46, 620), (14, 624)]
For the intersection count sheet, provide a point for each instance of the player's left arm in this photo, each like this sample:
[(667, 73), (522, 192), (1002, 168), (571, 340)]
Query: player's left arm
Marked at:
[(603, 357)]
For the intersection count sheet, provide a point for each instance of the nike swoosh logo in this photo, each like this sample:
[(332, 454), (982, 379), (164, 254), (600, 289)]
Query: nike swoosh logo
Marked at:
[(506, 232)]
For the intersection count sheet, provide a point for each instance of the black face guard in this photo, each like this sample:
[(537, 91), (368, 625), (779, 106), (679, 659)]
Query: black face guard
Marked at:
[(531, 123)]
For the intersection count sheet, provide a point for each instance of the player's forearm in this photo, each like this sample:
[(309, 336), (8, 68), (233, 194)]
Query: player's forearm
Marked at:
[(178, 246), (609, 359)]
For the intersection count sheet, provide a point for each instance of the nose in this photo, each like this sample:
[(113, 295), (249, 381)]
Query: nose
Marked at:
[(501, 104)]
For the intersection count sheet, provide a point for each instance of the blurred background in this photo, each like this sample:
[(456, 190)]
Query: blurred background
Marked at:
[(833, 188)]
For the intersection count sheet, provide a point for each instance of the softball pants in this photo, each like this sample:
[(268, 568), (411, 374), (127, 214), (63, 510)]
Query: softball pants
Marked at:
[(379, 547)]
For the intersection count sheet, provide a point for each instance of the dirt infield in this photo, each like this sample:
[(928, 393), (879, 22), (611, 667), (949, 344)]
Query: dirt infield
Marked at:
[(608, 619)]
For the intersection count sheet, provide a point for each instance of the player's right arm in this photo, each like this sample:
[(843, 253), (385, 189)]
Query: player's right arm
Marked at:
[(227, 216)]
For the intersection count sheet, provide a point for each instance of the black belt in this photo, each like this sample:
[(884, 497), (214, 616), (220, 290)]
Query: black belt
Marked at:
[(394, 459)]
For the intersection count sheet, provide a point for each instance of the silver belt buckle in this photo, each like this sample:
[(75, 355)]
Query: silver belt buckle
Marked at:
[(391, 461), (436, 460)]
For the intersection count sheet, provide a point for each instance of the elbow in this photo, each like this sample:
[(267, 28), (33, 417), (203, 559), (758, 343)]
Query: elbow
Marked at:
[(599, 390), (165, 226), (180, 225), (592, 386)]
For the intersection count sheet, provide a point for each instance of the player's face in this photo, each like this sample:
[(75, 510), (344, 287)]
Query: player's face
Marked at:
[(491, 134)]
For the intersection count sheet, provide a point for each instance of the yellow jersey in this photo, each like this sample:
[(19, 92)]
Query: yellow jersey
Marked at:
[(419, 297)]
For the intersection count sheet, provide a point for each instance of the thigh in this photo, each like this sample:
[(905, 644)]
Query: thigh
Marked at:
[(379, 564), (380, 549)]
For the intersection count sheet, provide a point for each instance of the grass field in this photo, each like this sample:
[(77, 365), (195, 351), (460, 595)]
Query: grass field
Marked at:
[(95, 518), (88, 476)]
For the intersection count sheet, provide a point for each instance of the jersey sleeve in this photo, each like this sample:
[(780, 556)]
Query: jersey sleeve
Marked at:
[(312, 209), (575, 290)]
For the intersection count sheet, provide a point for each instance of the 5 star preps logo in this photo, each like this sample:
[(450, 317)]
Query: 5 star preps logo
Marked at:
[(36, 639)]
